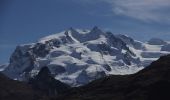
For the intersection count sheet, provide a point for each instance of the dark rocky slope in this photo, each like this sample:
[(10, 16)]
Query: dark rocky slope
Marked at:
[(41, 87), (14, 90), (47, 84)]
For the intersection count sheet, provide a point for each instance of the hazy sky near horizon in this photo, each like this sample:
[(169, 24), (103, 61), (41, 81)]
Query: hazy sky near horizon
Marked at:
[(25, 21)]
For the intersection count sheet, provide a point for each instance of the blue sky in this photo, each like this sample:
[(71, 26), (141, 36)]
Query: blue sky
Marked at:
[(25, 21)]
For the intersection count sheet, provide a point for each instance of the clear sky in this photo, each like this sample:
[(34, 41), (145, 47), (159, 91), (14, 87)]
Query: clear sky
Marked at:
[(25, 21)]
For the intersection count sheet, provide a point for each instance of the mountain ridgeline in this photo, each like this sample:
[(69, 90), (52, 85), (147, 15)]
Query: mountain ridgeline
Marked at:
[(76, 57)]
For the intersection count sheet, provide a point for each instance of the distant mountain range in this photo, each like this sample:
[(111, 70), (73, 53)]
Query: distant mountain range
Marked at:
[(76, 57)]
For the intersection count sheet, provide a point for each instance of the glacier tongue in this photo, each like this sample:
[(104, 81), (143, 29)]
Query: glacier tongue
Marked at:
[(77, 57)]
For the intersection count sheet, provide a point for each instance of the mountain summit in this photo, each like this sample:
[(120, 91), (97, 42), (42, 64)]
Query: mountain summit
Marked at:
[(77, 56)]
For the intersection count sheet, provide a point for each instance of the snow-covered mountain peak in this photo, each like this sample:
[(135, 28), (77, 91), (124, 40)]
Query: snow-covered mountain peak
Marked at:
[(77, 56), (75, 35)]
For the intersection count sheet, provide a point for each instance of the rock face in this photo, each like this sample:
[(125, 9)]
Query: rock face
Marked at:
[(77, 57), (45, 83), (151, 83)]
